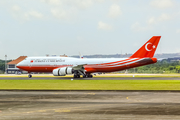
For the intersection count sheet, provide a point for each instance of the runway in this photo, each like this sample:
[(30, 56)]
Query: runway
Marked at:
[(88, 105), (94, 78)]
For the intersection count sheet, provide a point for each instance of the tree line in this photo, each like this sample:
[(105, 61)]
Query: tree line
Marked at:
[(2, 66), (163, 66)]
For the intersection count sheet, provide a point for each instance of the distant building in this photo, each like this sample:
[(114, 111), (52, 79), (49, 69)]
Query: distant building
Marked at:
[(11, 66), (173, 59), (63, 55)]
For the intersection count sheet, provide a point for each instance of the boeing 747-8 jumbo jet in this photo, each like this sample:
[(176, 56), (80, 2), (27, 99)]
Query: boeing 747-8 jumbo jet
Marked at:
[(61, 66)]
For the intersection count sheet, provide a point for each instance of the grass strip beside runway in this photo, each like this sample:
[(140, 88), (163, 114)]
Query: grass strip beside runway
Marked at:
[(90, 85)]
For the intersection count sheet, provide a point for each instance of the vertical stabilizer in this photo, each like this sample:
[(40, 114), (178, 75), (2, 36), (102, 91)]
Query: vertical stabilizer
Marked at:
[(148, 49)]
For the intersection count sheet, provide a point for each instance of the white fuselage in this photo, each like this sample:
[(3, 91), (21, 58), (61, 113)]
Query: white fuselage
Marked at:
[(48, 64)]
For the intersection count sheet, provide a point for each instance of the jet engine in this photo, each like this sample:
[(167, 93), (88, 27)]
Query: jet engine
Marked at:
[(63, 71)]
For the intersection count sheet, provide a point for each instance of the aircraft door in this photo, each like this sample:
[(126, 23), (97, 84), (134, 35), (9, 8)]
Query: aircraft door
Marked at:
[(30, 63)]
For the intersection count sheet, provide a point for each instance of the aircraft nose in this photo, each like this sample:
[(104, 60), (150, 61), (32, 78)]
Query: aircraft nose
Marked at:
[(19, 64)]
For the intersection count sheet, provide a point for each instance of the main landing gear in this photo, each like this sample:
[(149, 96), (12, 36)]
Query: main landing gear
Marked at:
[(88, 76), (76, 76), (84, 76)]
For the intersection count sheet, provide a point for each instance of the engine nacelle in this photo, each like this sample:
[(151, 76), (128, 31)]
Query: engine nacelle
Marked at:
[(63, 71)]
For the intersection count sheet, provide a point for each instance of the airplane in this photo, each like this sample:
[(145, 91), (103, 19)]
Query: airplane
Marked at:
[(61, 66)]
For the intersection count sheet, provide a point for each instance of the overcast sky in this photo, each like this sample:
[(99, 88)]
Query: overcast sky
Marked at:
[(55, 27)]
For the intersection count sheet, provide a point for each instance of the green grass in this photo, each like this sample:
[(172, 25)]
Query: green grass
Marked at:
[(90, 85), (166, 76), (106, 75)]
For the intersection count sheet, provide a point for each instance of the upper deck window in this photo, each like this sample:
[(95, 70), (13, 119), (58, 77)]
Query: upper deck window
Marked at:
[(11, 66)]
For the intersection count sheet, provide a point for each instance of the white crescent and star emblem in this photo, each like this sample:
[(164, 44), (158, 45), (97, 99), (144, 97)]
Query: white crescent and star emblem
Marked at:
[(146, 46)]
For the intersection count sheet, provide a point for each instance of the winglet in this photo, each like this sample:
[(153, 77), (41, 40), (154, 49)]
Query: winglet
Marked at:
[(148, 49)]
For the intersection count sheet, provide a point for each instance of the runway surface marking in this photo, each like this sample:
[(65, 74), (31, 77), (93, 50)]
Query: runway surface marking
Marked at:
[(65, 110), (90, 93), (80, 105), (59, 110)]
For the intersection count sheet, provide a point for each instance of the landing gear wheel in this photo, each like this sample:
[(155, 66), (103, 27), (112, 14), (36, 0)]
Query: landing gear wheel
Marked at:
[(84, 76), (30, 76), (90, 76), (76, 76)]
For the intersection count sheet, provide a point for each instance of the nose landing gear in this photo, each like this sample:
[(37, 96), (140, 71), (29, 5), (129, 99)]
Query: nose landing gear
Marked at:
[(29, 76)]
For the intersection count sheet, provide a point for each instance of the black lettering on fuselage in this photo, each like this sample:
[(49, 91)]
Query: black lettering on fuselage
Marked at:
[(48, 60)]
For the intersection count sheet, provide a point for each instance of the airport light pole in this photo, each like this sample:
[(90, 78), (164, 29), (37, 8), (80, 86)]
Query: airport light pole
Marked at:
[(5, 63)]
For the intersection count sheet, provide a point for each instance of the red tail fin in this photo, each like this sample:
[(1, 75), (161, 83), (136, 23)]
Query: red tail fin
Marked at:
[(148, 49)]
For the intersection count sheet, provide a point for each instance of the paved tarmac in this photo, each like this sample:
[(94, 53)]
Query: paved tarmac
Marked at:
[(94, 78), (89, 105)]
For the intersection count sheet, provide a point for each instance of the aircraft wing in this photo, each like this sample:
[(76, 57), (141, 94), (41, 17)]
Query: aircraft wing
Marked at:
[(78, 67)]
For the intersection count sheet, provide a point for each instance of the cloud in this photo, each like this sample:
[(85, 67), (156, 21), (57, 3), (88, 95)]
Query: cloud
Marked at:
[(81, 4), (162, 4), (53, 2), (35, 14), (60, 9), (16, 8), (164, 17), (104, 26), (137, 27), (99, 1), (178, 31), (19, 14), (61, 13), (84, 3), (151, 20), (114, 11), (68, 9)]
